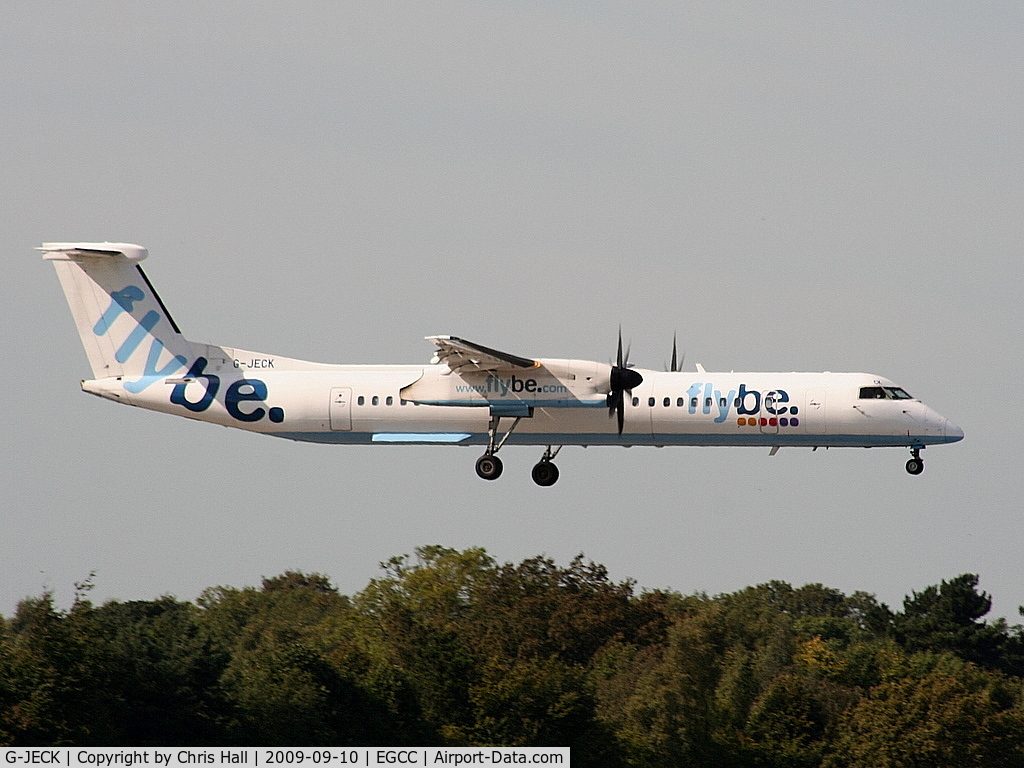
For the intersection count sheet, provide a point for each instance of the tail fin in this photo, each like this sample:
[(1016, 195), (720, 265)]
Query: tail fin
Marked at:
[(125, 328)]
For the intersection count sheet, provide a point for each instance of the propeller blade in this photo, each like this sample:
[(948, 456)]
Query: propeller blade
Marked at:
[(617, 406), (677, 360), (621, 379)]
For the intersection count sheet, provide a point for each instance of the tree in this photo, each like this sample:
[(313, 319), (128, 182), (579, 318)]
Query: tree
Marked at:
[(941, 712), (50, 677), (947, 617), (153, 674), (450, 647), (419, 610), (299, 667), (498, 654)]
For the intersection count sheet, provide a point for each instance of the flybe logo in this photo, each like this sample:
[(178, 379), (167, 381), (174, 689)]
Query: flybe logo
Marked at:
[(753, 408), (496, 385), (239, 395), (240, 391), (124, 301)]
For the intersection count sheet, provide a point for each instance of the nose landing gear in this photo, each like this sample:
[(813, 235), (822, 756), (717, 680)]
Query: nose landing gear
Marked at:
[(915, 465)]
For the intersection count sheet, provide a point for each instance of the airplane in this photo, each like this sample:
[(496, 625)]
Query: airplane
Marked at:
[(468, 394)]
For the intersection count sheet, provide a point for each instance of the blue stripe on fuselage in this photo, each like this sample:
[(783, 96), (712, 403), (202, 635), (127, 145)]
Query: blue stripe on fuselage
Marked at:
[(605, 438)]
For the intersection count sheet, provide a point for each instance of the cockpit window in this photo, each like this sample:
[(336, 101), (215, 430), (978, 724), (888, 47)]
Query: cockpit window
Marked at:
[(897, 393), (884, 393), (872, 393)]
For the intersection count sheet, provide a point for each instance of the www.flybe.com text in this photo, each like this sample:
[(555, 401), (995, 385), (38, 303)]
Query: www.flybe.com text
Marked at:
[(495, 385)]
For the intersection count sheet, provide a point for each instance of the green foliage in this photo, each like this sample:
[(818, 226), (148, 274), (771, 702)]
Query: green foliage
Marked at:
[(450, 647), (947, 617), (298, 667), (941, 712), (41, 685), (498, 654)]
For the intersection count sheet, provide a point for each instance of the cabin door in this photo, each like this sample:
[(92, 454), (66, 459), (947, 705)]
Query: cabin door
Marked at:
[(813, 420), (341, 408)]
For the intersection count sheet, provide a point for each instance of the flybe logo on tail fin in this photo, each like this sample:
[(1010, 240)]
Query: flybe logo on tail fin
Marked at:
[(120, 301), (123, 301), (237, 396)]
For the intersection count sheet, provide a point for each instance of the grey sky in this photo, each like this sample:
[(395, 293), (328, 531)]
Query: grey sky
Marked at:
[(790, 186)]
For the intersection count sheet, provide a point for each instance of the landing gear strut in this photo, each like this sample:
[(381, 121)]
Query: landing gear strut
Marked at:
[(915, 465), (545, 473), (489, 466)]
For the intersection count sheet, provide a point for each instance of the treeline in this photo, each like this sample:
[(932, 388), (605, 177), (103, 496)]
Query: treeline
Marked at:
[(453, 648)]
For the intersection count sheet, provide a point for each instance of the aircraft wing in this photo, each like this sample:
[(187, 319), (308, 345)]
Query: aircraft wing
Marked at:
[(459, 354)]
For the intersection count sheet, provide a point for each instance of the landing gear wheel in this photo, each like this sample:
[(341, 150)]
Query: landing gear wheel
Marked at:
[(489, 467), (915, 465), (545, 473)]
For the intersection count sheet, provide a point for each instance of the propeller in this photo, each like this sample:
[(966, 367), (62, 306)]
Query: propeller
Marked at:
[(676, 368), (622, 380)]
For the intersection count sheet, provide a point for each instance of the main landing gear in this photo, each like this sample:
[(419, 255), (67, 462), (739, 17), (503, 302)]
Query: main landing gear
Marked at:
[(545, 473), (915, 465), (489, 466)]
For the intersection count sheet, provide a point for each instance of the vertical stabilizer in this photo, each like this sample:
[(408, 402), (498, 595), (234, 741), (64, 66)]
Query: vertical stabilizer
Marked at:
[(125, 328)]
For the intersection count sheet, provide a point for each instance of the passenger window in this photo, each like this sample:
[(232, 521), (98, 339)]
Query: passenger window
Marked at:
[(650, 401), (680, 402), (693, 402), (361, 400), (376, 400), (722, 402), (390, 400), (707, 402), (636, 401), (667, 402)]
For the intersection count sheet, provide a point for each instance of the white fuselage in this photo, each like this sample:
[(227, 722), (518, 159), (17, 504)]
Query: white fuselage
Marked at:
[(469, 394), (561, 402)]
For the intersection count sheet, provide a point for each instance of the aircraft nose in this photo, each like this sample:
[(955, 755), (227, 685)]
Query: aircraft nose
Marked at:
[(953, 432)]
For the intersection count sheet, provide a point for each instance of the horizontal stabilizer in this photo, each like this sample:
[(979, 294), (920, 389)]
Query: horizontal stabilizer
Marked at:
[(75, 251)]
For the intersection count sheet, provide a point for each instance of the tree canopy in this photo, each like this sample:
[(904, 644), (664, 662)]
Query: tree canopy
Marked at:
[(450, 647)]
